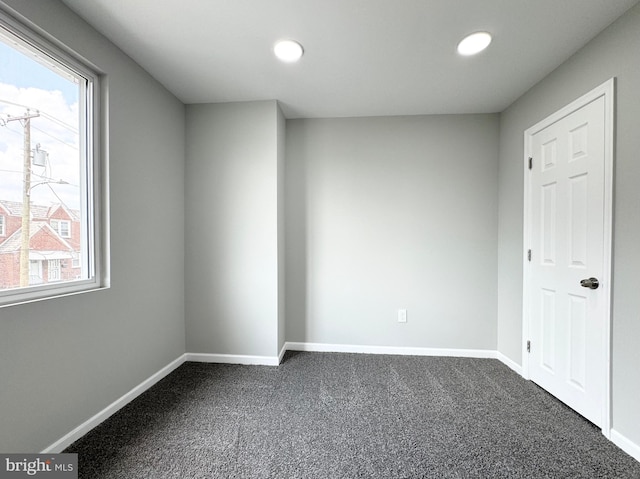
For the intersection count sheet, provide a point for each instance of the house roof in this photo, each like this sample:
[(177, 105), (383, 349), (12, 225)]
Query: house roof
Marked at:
[(73, 214), (14, 208), (38, 212), (14, 242)]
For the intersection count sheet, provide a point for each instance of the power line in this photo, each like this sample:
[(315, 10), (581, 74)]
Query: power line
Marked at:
[(27, 170), (46, 133), (60, 122), (48, 179), (55, 181), (14, 104), (43, 132), (59, 199), (55, 138), (12, 131), (44, 114)]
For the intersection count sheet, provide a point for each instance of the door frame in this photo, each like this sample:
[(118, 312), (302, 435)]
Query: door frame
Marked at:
[(606, 90)]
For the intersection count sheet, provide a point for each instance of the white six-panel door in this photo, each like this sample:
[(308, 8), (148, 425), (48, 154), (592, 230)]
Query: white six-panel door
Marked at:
[(569, 240)]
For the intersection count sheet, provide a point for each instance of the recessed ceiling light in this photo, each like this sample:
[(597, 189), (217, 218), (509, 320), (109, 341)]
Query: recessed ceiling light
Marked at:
[(288, 51), (474, 43)]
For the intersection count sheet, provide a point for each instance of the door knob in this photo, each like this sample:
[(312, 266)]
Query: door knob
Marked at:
[(591, 283)]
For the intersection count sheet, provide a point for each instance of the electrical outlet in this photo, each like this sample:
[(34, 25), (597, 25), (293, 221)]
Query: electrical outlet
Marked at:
[(402, 315)]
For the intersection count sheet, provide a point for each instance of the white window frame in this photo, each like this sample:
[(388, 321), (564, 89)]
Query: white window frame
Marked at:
[(57, 225), (3, 226), (95, 254), (75, 261)]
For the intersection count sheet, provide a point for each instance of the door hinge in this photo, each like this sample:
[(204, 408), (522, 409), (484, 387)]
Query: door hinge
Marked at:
[(529, 255), (530, 163), (528, 346)]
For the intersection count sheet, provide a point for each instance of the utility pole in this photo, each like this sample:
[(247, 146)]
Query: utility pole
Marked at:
[(26, 193)]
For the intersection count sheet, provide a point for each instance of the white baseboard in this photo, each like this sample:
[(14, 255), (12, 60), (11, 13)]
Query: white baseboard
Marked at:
[(621, 441), (510, 363), (118, 404), (233, 359), (282, 352), (112, 408), (627, 445), (395, 350)]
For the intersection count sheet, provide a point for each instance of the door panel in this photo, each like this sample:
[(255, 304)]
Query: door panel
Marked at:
[(548, 339), (578, 341), (578, 217), (548, 220)]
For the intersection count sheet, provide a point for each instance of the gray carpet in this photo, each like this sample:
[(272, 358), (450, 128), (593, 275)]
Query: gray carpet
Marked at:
[(331, 415)]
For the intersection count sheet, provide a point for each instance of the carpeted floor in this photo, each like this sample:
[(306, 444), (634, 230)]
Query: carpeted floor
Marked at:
[(331, 415)]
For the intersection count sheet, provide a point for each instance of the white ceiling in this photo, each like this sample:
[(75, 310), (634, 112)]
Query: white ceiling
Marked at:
[(362, 57)]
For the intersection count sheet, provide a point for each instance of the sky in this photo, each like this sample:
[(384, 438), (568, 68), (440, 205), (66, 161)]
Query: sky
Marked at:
[(27, 83)]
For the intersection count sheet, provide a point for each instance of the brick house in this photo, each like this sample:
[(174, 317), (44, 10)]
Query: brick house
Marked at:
[(54, 244)]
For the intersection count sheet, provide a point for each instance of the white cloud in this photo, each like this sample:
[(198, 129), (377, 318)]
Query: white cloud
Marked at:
[(55, 130)]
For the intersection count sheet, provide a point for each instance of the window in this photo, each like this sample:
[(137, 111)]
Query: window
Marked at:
[(3, 230), (75, 262), (62, 227), (48, 145)]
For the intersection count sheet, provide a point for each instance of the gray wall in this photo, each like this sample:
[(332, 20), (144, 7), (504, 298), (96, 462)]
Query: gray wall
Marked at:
[(232, 228), (614, 53), (64, 360), (389, 213)]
